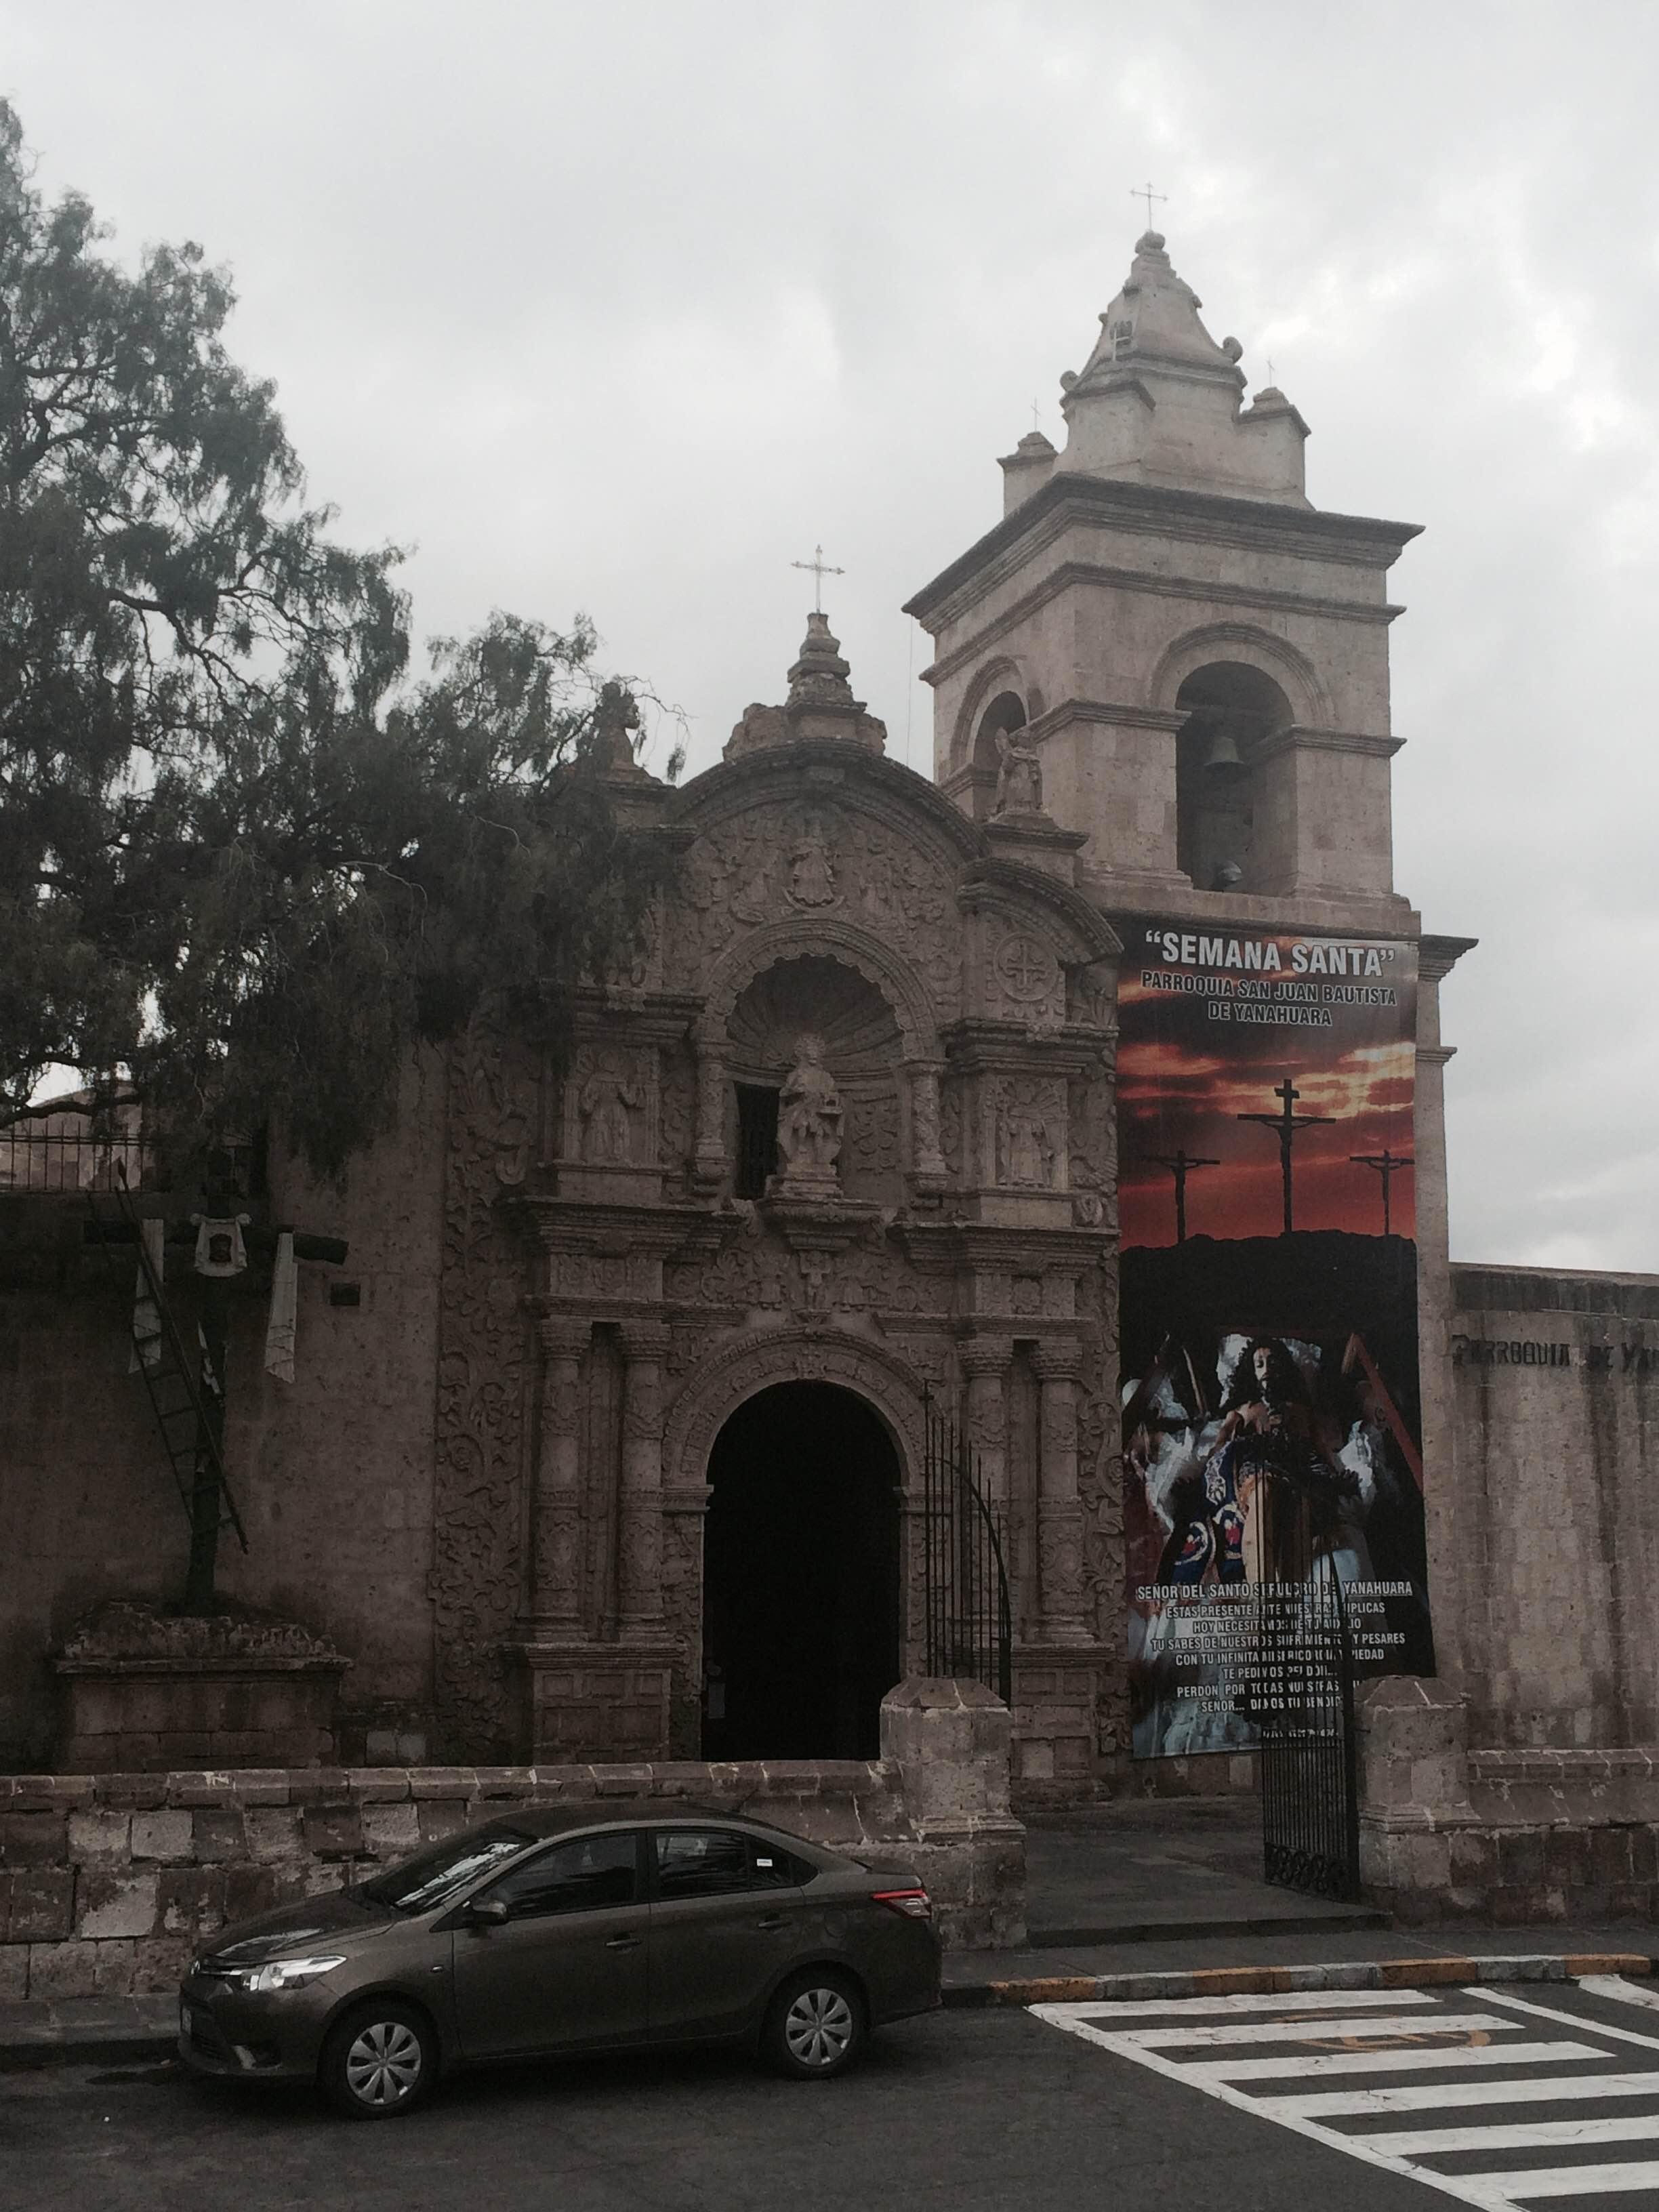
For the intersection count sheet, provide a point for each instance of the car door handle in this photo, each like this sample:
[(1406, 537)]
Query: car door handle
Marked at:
[(623, 1943), (772, 1920)]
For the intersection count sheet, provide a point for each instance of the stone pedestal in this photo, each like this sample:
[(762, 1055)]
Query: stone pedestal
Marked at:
[(147, 1692), (1415, 1815), (1055, 1689), (587, 1701), (951, 1742)]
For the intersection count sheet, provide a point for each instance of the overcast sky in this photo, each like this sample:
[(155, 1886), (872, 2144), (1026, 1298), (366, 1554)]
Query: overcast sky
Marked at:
[(623, 307)]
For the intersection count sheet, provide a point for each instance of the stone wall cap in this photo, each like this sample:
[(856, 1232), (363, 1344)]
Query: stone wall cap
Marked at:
[(941, 1693)]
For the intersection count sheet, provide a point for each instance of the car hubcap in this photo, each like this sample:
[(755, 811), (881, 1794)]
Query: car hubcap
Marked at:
[(818, 2027), (384, 2064)]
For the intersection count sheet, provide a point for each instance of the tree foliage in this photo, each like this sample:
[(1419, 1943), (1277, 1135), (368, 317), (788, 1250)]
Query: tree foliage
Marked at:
[(243, 857)]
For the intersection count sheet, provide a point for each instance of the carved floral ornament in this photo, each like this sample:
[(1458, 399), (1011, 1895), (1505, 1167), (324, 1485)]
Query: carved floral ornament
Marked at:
[(889, 1385)]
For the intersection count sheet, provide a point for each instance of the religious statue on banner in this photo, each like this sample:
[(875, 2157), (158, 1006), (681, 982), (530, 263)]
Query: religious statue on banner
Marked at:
[(1020, 775), (809, 1121)]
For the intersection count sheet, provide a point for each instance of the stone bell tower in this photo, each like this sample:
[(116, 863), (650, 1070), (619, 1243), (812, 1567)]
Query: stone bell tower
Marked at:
[(1198, 658)]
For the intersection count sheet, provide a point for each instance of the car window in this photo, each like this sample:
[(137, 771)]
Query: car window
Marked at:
[(718, 1863), (433, 1876), (582, 1875)]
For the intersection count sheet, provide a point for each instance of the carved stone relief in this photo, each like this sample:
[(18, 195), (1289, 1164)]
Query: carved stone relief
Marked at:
[(788, 860), (1031, 1132), (1026, 982), (610, 1095)]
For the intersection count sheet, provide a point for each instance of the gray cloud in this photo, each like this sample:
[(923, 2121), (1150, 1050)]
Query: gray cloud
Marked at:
[(623, 307)]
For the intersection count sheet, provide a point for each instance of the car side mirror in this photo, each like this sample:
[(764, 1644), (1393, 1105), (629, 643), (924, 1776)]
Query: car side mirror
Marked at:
[(488, 1912)]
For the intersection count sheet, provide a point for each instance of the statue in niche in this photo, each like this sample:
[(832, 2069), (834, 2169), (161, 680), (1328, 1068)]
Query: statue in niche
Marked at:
[(809, 1121), (1020, 775), (605, 1103), (1024, 1147)]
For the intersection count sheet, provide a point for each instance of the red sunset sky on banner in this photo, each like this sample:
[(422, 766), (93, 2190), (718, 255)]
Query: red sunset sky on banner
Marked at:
[(1185, 1077)]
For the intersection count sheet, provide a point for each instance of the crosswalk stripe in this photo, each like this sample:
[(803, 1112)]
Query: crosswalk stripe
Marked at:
[(1306, 2031), (1305, 2001), (1565, 2019), (1427, 2097), (1615, 1986), (1570, 2180), (1416, 2061), (1480, 2194), (1419, 2142)]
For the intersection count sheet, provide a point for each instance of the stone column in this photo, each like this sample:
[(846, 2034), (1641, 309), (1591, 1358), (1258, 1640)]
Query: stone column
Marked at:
[(927, 1159), (709, 1165), (645, 1345), (556, 1535), (985, 1363), (1060, 1514)]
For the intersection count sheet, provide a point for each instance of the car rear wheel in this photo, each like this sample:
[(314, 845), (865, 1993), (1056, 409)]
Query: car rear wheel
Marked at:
[(378, 2061), (817, 2025)]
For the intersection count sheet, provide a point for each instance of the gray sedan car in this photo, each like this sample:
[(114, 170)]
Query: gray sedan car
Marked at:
[(562, 1931)]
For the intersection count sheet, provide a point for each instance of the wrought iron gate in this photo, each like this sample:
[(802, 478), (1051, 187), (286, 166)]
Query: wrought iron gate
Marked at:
[(1302, 1699), (965, 1573)]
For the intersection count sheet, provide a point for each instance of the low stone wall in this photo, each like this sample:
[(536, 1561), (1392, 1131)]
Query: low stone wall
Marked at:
[(1510, 1838), (108, 1882)]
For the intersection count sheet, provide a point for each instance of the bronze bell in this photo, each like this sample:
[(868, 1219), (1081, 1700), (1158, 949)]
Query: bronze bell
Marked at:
[(1222, 757)]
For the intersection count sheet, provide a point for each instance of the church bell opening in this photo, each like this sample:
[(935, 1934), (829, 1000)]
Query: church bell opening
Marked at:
[(800, 1578)]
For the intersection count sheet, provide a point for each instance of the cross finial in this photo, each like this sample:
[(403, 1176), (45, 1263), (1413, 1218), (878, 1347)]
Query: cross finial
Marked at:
[(1036, 411), (1270, 369), (1145, 192), (818, 568)]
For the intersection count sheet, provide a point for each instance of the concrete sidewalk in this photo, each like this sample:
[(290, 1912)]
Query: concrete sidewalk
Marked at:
[(1159, 1869)]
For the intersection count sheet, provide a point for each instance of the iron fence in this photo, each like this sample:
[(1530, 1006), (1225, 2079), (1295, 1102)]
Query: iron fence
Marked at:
[(82, 1158), (1302, 1697), (965, 1573)]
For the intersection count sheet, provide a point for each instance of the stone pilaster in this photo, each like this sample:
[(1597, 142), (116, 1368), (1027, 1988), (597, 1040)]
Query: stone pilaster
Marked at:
[(710, 1166), (645, 1347), (985, 1363), (555, 1528), (927, 1167), (1060, 1512)]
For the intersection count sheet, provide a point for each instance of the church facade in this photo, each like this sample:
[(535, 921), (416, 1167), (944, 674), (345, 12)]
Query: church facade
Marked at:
[(614, 1445)]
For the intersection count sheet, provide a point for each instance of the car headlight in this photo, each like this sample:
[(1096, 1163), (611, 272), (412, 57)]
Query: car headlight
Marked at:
[(282, 1974)]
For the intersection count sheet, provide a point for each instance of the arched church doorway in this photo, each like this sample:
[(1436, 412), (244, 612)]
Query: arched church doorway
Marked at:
[(801, 1577)]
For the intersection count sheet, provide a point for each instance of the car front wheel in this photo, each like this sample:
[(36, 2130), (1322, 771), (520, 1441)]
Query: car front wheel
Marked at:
[(817, 2025), (378, 2061)]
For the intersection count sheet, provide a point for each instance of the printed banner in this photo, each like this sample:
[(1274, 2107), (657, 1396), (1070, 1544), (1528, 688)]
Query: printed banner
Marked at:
[(1272, 1433)]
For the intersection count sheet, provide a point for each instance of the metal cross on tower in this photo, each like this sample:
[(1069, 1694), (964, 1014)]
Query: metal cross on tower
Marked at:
[(1287, 1126), (1387, 1165), (1181, 1164), (818, 568), (1145, 192)]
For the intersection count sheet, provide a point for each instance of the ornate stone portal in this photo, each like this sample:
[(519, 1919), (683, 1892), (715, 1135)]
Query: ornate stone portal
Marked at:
[(843, 944)]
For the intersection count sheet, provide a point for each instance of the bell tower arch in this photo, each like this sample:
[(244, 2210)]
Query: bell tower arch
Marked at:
[(1199, 656)]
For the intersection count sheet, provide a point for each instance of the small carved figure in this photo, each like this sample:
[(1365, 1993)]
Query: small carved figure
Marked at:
[(1020, 775), (809, 1117), (606, 1101), (811, 870), (1027, 1152)]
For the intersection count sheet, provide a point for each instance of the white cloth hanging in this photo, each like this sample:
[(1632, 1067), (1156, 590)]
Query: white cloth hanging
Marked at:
[(279, 1329), (146, 1321)]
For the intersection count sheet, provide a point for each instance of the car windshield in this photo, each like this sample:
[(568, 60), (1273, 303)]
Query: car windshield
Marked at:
[(432, 1877)]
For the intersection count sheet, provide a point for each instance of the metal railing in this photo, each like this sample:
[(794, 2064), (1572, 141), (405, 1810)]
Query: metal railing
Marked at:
[(83, 1158), (70, 1159), (1302, 1699), (965, 1574)]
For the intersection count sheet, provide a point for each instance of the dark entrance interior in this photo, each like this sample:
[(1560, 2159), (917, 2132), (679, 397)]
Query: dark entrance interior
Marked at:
[(800, 1578)]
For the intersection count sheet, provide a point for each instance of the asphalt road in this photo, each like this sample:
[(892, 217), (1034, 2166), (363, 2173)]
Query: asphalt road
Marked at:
[(968, 2110)]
